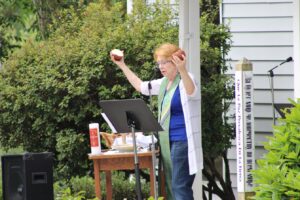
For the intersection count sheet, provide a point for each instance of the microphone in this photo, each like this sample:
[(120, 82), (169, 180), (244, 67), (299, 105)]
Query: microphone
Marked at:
[(289, 59)]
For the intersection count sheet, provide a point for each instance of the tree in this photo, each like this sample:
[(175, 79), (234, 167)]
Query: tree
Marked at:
[(48, 10), (22, 20), (16, 24), (217, 93)]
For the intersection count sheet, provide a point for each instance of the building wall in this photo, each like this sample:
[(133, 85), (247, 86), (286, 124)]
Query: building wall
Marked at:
[(296, 57), (262, 32)]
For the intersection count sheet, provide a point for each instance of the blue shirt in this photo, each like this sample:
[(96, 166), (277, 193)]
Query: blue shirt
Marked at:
[(177, 130)]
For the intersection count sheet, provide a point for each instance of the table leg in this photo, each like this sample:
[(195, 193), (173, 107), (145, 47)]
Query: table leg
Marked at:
[(108, 185), (163, 190), (97, 179), (152, 179)]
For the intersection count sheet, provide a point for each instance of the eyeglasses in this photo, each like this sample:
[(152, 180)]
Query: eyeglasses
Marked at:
[(163, 62)]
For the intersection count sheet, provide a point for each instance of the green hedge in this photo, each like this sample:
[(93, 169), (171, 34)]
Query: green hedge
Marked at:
[(278, 173), (83, 187)]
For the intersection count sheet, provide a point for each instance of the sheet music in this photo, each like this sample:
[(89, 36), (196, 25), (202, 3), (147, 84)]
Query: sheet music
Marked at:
[(109, 123)]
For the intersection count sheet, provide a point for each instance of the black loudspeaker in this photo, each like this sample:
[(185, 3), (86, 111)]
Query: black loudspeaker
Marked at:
[(28, 176)]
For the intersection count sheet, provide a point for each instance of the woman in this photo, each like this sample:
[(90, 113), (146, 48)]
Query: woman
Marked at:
[(179, 106)]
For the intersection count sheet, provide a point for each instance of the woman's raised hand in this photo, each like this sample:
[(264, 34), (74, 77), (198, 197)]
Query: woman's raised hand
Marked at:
[(117, 56), (179, 62)]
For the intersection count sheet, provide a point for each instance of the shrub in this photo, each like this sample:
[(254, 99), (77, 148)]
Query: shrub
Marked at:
[(70, 144), (217, 94), (124, 188), (278, 173), (85, 183), (66, 194), (50, 90), (63, 190), (83, 187)]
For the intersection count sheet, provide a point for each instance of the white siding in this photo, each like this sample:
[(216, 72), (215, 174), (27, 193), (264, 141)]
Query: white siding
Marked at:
[(296, 19), (259, 24), (262, 32), (244, 9), (262, 39), (260, 53)]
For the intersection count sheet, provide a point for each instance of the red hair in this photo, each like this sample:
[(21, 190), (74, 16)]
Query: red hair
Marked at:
[(165, 50)]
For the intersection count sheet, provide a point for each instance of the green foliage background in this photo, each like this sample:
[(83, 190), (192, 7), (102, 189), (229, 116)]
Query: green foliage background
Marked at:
[(278, 173), (49, 90), (23, 20)]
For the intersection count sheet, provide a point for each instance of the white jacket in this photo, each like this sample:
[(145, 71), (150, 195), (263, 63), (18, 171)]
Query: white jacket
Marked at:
[(192, 118)]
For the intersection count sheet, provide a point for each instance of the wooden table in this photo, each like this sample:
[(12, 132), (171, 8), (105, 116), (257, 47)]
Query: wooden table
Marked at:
[(120, 161)]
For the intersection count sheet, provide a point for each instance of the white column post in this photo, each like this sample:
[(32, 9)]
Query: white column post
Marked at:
[(296, 56), (189, 41), (244, 128), (129, 6)]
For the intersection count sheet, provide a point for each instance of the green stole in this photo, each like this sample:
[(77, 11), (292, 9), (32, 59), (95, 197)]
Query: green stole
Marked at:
[(164, 111)]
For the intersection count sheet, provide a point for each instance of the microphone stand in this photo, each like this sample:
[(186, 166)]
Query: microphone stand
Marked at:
[(132, 124), (272, 84), (272, 91), (152, 140)]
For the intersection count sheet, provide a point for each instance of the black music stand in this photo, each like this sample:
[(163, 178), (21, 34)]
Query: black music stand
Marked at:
[(279, 107), (131, 115)]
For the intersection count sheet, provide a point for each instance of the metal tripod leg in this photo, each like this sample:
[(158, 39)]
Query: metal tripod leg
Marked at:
[(154, 166), (136, 166)]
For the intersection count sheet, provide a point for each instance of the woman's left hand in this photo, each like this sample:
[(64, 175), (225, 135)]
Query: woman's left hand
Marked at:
[(185, 77), (180, 64)]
